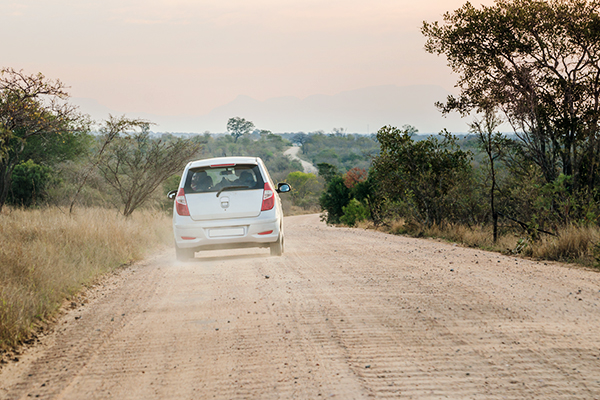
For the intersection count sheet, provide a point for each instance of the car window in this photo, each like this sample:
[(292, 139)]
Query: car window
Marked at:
[(207, 179)]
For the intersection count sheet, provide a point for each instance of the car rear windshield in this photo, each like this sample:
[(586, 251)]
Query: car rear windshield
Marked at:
[(213, 179)]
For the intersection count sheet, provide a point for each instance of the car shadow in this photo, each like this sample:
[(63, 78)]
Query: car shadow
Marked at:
[(205, 258)]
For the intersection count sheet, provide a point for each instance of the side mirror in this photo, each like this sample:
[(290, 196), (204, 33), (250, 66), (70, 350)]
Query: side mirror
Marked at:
[(283, 187), (172, 194)]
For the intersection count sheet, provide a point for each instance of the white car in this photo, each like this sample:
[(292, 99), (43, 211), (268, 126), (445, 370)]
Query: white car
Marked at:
[(227, 202)]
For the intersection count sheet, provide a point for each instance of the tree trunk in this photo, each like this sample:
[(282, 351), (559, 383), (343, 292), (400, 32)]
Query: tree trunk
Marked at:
[(6, 169), (492, 203)]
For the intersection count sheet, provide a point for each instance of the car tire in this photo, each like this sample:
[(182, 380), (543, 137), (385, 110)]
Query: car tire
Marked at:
[(277, 247), (184, 254)]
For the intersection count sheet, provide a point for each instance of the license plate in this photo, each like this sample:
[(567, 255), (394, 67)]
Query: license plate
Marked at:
[(223, 232)]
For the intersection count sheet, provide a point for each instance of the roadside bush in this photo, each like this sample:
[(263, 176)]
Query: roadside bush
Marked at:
[(430, 176), (355, 185), (305, 189), (354, 212), (30, 182), (333, 200)]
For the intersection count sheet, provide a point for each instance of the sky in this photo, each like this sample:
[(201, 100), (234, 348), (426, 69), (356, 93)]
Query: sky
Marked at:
[(188, 57)]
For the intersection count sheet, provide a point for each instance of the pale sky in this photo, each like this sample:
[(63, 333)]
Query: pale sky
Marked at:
[(186, 57)]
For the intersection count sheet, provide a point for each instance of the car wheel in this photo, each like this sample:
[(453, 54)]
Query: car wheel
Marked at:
[(184, 254), (277, 247)]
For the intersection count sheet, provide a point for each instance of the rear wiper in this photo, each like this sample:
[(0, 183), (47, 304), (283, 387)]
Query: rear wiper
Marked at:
[(231, 188)]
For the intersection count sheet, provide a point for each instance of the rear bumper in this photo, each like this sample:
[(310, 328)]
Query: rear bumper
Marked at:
[(259, 231)]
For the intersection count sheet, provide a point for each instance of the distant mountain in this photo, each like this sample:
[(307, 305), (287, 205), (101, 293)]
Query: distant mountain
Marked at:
[(358, 111)]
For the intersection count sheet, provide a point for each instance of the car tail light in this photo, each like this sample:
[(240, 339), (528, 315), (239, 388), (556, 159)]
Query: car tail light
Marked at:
[(268, 198), (181, 204)]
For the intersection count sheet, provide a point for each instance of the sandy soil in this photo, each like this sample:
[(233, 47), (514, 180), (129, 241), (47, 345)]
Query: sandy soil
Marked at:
[(345, 313)]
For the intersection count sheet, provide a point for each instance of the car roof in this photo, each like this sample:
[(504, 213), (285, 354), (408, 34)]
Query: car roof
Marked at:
[(224, 160)]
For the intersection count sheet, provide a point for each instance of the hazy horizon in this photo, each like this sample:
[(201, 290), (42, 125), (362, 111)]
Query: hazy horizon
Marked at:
[(190, 57), (361, 111)]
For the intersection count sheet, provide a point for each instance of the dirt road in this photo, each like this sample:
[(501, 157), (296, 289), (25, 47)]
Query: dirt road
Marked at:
[(292, 152), (344, 314)]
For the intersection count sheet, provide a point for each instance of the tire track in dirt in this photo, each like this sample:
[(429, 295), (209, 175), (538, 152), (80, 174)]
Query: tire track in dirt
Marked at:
[(78, 337), (496, 347), (344, 313)]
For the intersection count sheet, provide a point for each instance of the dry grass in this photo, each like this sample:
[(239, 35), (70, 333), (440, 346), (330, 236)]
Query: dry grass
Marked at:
[(295, 210), (47, 255), (574, 244)]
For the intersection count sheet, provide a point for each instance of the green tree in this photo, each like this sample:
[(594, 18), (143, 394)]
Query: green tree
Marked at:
[(31, 106), (52, 150), (29, 183), (238, 127), (305, 189), (368, 193), (426, 175), (299, 138), (340, 132), (327, 171), (539, 62), (333, 200)]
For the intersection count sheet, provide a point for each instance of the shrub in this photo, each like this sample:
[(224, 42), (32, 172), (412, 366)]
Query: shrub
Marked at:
[(29, 183), (335, 197), (305, 189), (354, 212), (430, 176)]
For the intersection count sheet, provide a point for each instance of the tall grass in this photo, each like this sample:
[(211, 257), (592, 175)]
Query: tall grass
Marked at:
[(576, 244), (47, 255)]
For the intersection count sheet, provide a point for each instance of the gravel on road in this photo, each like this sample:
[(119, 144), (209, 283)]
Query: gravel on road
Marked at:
[(344, 313)]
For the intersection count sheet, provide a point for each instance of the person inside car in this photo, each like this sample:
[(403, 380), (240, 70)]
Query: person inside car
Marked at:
[(201, 182), (246, 179)]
